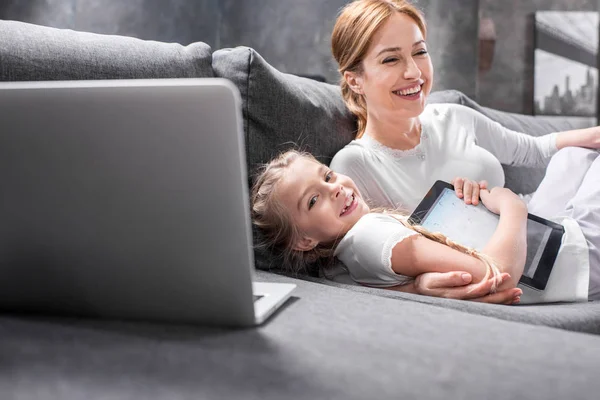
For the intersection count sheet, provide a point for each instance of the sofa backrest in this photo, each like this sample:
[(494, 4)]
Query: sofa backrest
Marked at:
[(280, 111), (283, 111), (33, 53)]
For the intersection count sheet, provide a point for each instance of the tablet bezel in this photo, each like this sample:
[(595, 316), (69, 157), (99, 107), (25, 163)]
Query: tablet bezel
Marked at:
[(546, 263)]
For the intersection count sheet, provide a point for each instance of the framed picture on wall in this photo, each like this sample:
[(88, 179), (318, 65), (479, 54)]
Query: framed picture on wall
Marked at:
[(565, 63)]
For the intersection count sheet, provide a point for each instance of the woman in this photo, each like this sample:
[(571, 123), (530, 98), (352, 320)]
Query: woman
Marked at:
[(403, 145)]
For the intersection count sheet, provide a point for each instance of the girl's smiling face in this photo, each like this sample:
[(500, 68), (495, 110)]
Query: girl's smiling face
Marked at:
[(324, 205)]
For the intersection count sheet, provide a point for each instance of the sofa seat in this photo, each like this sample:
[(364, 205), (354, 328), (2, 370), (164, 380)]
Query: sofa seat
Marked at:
[(326, 343)]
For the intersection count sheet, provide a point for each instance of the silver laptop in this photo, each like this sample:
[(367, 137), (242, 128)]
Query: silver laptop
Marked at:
[(128, 200)]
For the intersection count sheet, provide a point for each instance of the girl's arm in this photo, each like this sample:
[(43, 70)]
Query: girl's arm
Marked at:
[(457, 285), (417, 254)]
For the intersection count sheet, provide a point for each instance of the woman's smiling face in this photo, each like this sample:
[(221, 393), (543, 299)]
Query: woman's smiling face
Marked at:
[(397, 73)]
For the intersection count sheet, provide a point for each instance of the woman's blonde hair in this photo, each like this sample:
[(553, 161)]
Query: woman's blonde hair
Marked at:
[(281, 234), (352, 34)]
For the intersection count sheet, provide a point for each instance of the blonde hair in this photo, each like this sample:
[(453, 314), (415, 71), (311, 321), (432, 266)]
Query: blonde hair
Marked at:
[(281, 234), (352, 34), (273, 218)]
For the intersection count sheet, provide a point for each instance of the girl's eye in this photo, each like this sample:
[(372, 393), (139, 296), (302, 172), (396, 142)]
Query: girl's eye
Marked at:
[(389, 60), (312, 202), (421, 52), (328, 176)]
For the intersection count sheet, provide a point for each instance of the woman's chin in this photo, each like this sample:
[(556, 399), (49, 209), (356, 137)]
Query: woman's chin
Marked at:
[(412, 109)]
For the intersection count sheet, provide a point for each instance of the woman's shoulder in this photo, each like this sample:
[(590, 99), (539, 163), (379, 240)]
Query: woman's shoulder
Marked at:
[(449, 110), (351, 154)]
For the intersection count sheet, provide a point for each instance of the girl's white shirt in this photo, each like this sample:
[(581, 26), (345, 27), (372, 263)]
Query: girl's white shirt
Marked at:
[(366, 252)]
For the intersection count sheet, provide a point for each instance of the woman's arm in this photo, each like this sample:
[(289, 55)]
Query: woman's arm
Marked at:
[(588, 137), (508, 146), (417, 254)]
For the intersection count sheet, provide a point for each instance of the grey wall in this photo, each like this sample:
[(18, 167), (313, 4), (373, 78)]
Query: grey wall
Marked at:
[(293, 35), (182, 21), (509, 84)]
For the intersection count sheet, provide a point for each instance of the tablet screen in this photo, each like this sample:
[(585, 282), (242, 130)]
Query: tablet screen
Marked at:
[(473, 226)]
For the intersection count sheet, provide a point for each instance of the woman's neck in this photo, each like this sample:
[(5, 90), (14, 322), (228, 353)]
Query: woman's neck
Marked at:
[(399, 134)]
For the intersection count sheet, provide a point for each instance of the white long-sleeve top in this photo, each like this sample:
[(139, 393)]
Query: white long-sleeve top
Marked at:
[(456, 141)]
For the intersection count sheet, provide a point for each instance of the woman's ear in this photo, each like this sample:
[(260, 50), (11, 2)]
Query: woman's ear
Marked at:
[(354, 82), (305, 244)]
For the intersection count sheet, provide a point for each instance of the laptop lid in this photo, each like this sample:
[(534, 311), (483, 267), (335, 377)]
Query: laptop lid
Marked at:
[(125, 199)]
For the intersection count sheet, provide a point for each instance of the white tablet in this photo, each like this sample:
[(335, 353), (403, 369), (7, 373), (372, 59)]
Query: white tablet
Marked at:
[(473, 226)]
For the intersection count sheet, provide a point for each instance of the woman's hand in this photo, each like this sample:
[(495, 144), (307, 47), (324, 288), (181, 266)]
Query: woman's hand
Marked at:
[(499, 199), (468, 189), (457, 285)]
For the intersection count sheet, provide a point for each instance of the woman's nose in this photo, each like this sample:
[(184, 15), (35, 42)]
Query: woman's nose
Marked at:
[(412, 70)]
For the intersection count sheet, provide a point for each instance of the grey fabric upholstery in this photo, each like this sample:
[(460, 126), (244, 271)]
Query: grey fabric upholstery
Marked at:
[(36, 53), (578, 317), (327, 343), (283, 111)]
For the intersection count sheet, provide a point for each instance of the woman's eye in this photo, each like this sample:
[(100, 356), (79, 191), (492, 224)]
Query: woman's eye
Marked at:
[(328, 176), (421, 52), (312, 202), (389, 60)]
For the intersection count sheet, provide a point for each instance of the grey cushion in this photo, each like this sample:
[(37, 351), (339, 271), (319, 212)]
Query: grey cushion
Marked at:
[(579, 317), (32, 53), (283, 111), (326, 343)]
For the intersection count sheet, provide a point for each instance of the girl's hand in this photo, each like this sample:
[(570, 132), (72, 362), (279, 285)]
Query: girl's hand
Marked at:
[(457, 285), (500, 198), (468, 189)]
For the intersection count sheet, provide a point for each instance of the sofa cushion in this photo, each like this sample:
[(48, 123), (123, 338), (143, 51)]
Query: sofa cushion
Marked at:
[(36, 53), (579, 317), (283, 111), (325, 343)]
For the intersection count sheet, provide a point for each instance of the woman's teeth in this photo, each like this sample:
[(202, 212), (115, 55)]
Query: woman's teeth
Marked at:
[(408, 92)]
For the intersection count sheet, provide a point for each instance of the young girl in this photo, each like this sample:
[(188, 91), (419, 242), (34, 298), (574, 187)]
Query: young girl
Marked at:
[(309, 212)]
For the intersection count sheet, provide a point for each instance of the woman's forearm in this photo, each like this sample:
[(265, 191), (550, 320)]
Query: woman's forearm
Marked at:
[(588, 137), (508, 244)]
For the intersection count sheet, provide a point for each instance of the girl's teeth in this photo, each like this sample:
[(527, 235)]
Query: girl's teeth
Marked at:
[(349, 201)]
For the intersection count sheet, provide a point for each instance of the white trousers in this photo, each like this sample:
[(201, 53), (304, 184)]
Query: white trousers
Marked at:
[(571, 187)]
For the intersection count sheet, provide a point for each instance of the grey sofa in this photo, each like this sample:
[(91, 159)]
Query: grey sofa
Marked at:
[(332, 340)]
